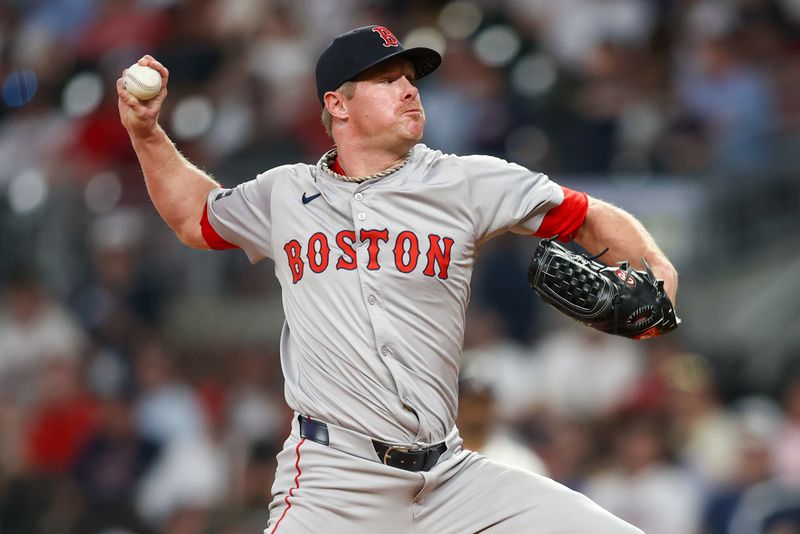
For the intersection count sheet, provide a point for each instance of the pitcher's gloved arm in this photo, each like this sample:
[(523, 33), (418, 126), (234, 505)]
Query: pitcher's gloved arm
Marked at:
[(607, 226)]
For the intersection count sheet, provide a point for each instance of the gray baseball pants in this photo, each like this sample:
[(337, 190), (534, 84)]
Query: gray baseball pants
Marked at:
[(343, 489)]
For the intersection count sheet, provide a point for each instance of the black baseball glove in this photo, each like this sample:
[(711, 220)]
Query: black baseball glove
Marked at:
[(617, 300)]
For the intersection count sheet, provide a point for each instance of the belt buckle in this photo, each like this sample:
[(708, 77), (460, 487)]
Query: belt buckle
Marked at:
[(398, 448)]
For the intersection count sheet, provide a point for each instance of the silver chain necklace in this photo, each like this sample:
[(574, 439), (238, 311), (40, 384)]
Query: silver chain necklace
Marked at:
[(330, 156)]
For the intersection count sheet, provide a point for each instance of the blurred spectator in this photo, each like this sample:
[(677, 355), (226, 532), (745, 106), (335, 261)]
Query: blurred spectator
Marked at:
[(585, 373), (189, 479), (482, 433), (253, 411), (605, 90), (567, 446), (572, 29), (498, 288), (787, 442), (463, 94), (652, 389), (61, 421), (124, 295), (35, 503), (753, 466), (32, 141), (282, 59), (110, 467), (247, 511), (733, 101), (770, 507), (38, 496), (61, 19), (167, 409), (708, 436), (122, 24), (641, 485), (34, 329), (500, 363), (96, 145)]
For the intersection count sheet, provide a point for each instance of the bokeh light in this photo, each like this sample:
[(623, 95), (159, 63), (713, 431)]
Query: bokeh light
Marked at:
[(527, 145), (497, 45), (428, 37), (460, 19), (82, 94), (20, 87), (103, 192), (193, 117), (534, 75), (27, 191)]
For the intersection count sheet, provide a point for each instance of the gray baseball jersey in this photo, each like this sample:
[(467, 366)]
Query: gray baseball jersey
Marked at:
[(375, 279)]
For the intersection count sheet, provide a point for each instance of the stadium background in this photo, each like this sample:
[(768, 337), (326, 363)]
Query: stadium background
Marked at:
[(139, 381)]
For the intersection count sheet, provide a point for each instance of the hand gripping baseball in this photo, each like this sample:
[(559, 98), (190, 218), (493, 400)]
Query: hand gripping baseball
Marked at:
[(617, 300), (140, 117)]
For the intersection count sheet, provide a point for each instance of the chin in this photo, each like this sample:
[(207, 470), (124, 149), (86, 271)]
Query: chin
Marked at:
[(417, 131), (409, 137), (412, 140)]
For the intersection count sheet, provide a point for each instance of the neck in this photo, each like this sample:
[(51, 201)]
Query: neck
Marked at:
[(358, 160)]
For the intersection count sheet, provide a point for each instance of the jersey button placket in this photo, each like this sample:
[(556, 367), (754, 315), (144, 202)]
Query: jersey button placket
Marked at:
[(357, 206)]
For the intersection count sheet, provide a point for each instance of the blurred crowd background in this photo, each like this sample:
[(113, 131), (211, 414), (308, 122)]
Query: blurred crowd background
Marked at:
[(140, 388)]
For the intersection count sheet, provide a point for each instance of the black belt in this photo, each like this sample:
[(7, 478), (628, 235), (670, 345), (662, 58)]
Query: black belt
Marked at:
[(406, 458)]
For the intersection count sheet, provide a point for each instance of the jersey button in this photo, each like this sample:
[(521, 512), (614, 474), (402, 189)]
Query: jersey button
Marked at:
[(385, 351), (359, 196), (361, 216), (371, 299)]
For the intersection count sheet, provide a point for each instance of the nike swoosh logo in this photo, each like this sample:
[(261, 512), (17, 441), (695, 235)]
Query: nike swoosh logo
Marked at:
[(306, 199)]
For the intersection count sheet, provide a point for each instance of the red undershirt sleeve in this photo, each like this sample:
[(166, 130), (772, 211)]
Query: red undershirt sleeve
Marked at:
[(213, 239), (565, 219)]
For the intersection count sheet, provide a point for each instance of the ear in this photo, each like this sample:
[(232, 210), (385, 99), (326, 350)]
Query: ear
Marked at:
[(336, 104)]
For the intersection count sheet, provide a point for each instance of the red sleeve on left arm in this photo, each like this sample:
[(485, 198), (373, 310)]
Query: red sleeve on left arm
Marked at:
[(213, 239), (565, 219)]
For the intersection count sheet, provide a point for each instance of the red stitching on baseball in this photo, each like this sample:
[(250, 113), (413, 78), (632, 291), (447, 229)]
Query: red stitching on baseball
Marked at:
[(138, 82)]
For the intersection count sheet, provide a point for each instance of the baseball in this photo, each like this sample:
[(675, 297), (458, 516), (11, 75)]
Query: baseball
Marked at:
[(142, 82)]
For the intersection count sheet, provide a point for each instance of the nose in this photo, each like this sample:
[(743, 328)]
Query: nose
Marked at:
[(410, 91)]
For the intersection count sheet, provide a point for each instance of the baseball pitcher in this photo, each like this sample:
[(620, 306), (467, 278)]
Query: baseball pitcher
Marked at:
[(374, 247)]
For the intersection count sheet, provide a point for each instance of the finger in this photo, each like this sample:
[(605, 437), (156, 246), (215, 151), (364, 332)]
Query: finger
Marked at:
[(157, 101), (122, 91), (131, 101), (155, 64), (124, 95), (149, 61), (138, 105)]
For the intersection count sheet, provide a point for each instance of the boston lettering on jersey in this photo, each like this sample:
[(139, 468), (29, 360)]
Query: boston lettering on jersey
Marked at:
[(407, 249)]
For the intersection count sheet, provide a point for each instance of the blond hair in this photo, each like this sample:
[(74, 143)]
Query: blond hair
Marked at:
[(348, 89)]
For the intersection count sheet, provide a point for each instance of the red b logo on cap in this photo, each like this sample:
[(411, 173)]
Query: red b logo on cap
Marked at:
[(388, 37)]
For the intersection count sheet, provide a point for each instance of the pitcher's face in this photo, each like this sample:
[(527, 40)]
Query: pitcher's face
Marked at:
[(386, 106)]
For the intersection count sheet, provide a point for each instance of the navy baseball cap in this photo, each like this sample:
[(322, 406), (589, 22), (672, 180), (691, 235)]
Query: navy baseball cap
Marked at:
[(353, 52)]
